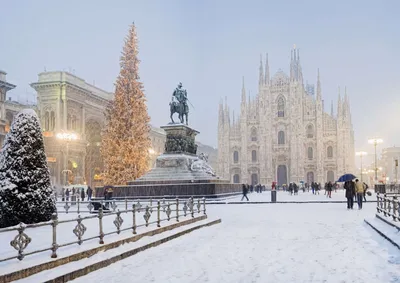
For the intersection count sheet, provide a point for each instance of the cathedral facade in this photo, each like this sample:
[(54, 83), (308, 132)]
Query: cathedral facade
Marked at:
[(283, 134)]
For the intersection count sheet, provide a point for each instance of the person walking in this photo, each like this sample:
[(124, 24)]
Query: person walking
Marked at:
[(365, 191), (329, 188), (360, 193), (349, 194), (245, 191), (82, 194), (89, 193)]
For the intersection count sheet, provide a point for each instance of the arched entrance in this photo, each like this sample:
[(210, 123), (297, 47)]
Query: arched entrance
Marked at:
[(330, 176), (254, 179), (282, 175), (310, 177)]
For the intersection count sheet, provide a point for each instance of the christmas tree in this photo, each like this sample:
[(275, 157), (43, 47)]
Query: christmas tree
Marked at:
[(25, 189), (125, 139)]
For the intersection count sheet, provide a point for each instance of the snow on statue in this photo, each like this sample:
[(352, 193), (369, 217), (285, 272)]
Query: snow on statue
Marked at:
[(25, 189)]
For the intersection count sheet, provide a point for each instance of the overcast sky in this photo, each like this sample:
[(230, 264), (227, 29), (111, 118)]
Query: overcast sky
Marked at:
[(209, 45)]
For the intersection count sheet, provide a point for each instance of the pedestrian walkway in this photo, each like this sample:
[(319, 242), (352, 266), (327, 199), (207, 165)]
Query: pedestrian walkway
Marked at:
[(274, 243)]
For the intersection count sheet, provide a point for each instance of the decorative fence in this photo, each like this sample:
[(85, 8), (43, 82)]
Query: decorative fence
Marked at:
[(387, 188), (81, 206), (388, 205), (56, 228)]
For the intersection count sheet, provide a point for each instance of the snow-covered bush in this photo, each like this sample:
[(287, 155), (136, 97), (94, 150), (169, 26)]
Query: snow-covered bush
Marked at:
[(25, 189)]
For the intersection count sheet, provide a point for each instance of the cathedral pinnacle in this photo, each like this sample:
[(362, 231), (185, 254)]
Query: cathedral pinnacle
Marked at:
[(266, 71), (261, 77), (243, 92)]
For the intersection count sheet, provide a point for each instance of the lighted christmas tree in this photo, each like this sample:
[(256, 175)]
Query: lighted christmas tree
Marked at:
[(25, 189), (125, 139)]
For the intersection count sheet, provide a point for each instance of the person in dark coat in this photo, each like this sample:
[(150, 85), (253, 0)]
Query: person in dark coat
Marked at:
[(349, 193), (245, 191), (67, 194), (329, 188), (89, 193), (82, 194)]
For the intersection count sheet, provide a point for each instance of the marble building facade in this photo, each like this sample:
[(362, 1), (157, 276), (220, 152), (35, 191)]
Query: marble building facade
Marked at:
[(284, 134)]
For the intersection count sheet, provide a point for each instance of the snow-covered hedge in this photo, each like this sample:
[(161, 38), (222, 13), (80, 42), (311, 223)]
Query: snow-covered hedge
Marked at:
[(25, 189)]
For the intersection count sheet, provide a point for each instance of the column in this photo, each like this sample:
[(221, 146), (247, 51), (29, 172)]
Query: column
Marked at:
[(58, 114), (64, 97), (83, 121)]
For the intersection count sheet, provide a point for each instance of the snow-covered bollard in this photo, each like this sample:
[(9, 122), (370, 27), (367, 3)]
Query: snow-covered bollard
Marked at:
[(54, 245)]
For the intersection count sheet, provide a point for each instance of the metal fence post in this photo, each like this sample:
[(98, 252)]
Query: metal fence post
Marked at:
[(177, 210), (54, 245), (78, 206), (134, 218), (192, 206), (377, 202), (384, 205), (394, 208), (101, 234), (198, 206), (126, 204), (204, 206), (158, 213)]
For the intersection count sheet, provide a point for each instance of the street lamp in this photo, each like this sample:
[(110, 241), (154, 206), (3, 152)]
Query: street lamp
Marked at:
[(67, 137), (361, 154), (375, 142)]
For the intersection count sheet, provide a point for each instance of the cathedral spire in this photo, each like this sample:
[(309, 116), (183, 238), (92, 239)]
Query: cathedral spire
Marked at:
[(266, 71), (221, 113), (339, 105), (261, 76), (319, 95), (243, 92)]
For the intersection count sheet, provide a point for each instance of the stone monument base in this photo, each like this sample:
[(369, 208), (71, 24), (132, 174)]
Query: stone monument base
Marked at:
[(178, 172)]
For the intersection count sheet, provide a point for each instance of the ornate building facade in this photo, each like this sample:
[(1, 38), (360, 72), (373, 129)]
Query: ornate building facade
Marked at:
[(284, 134)]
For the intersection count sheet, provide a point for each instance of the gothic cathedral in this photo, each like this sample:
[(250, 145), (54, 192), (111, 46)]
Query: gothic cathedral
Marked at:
[(284, 134)]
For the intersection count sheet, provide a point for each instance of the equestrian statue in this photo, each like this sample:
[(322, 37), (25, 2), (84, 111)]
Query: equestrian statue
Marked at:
[(179, 104)]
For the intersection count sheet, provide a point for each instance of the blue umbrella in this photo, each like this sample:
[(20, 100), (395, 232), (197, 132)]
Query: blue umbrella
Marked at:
[(346, 177)]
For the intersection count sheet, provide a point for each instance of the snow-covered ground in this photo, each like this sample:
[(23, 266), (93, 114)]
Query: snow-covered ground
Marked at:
[(268, 243)]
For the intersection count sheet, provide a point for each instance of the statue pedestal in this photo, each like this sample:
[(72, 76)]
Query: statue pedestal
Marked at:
[(178, 171)]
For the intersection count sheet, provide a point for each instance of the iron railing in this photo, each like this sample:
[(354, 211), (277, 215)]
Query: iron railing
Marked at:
[(173, 209), (388, 205)]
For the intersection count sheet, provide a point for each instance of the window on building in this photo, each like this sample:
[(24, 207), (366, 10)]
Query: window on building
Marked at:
[(254, 156), (310, 131), (52, 121), (281, 107), (281, 137), (310, 153), (254, 134), (236, 179), (235, 157), (330, 176), (330, 152), (46, 121)]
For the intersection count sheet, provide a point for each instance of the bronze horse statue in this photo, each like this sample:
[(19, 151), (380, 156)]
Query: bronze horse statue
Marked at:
[(181, 110)]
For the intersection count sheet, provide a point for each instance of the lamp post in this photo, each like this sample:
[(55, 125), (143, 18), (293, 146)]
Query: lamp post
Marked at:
[(375, 142), (67, 138), (361, 154)]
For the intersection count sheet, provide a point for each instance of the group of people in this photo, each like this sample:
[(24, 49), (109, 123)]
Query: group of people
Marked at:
[(76, 193), (355, 191)]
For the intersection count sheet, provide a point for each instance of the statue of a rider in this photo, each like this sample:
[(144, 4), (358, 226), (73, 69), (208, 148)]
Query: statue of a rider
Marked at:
[(180, 100)]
